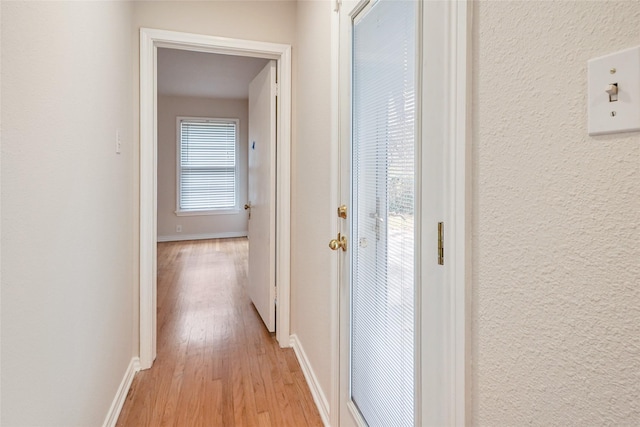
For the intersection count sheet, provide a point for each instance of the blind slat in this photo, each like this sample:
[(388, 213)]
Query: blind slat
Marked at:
[(207, 166), (382, 294)]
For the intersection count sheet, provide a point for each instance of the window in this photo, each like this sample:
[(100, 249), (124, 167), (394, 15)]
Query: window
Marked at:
[(207, 177)]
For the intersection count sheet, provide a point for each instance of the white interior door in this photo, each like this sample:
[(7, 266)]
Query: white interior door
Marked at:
[(262, 184)]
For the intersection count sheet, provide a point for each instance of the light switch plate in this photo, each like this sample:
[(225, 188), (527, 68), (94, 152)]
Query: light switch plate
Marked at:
[(621, 68), (118, 141)]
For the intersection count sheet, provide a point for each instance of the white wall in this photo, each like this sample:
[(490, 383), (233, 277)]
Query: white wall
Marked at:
[(67, 210), (556, 219), (0, 215), (313, 219), (170, 107)]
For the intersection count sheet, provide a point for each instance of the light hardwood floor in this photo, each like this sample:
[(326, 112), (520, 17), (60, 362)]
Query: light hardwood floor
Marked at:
[(217, 365)]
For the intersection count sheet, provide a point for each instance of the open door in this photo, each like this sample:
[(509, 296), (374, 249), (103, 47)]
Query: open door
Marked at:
[(262, 198)]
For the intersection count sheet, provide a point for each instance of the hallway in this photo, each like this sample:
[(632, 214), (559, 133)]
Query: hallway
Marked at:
[(216, 365)]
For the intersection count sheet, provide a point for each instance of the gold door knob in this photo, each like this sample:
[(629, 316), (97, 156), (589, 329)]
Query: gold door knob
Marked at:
[(340, 242)]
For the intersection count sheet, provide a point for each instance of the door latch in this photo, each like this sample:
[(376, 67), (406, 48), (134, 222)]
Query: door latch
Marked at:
[(441, 243), (342, 211)]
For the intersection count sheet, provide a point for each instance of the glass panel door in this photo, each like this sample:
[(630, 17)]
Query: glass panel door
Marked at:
[(382, 317)]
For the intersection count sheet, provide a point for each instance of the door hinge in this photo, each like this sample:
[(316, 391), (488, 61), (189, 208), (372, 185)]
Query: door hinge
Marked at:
[(441, 243), (336, 6), (277, 89)]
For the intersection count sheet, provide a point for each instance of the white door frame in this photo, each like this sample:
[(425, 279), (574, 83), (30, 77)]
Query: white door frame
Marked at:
[(150, 40), (453, 398)]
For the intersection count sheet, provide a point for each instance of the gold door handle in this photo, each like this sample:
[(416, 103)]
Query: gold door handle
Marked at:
[(247, 206), (340, 242)]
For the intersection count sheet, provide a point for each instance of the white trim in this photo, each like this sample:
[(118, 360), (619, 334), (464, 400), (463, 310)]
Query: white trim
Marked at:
[(334, 293), (314, 385), (283, 196), (150, 40), (118, 401), (234, 211), (180, 237), (148, 199), (460, 208)]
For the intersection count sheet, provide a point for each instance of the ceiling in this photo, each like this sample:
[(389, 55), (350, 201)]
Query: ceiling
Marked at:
[(210, 75)]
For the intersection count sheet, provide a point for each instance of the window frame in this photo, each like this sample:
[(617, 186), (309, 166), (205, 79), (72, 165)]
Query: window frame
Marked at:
[(219, 211)]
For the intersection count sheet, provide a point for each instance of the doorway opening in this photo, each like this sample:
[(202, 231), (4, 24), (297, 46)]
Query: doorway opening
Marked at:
[(216, 141), (202, 139), (151, 41)]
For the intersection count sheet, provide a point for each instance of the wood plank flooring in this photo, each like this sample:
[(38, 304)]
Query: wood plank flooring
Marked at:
[(217, 365)]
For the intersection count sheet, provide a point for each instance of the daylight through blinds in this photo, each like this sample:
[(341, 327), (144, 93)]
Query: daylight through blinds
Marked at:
[(383, 283), (207, 165)]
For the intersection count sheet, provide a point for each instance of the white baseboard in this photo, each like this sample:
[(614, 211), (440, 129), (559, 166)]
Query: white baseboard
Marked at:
[(118, 401), (179, 237), (316, 391)]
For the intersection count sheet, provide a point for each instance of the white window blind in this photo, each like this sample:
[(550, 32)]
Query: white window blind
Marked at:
[(207, 164), (383, 282)]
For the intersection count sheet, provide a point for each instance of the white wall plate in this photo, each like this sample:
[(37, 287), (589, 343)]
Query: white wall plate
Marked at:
[(614, 113)]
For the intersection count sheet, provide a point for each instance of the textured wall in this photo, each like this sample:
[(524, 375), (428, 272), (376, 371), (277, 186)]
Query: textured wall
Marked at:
[(169, 108), (556, 269)]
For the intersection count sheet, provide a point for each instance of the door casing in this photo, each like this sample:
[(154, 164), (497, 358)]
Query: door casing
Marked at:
[(150, 40), (446, 402)]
